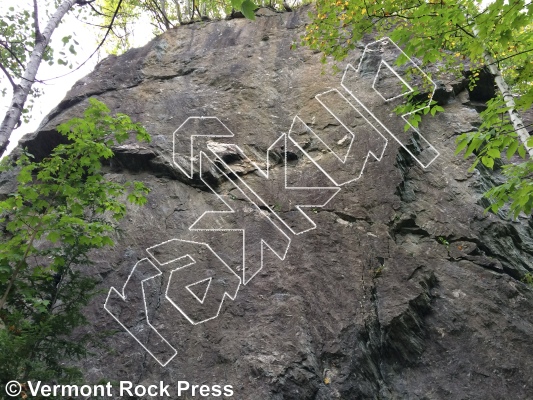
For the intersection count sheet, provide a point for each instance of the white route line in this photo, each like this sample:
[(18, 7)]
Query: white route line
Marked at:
[(190, 173), (266, 175), (193, 261), (231, 211), (398, 76), (377, 157), (123, 297), (258, 201), (405, 117), (190, 262), (317, 164), (201, 300)]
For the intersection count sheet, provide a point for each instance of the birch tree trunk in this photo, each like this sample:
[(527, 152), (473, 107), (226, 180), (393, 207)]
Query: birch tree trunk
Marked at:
[(515, 118), (517, 122), (20, 93)]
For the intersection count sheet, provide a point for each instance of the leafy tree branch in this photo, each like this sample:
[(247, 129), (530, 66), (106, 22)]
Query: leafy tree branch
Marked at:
[(498, 38), (62, 209), (22, 90)]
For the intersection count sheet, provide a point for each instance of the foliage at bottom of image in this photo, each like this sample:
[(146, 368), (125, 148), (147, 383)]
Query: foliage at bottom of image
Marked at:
[(62, 209)]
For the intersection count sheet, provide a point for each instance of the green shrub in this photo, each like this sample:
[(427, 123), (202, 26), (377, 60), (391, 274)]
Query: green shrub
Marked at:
[(62, 209)]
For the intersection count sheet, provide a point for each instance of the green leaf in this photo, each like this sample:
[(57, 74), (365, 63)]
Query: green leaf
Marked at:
[(474, 145), (248, 8), (512, 148), (24, 176), (522, 151), (462, 144), (494, 153), (487, 161), (107, 241), (5, 268)]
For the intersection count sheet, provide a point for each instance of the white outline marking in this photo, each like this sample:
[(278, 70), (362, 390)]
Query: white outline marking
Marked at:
[(192, 156), (226, 294), (188, 287), (167, 262), (266, 174), (398, 76), (322, 169), (339, 120), (123, 297), (386, 40), (231, 211), (378, 158)]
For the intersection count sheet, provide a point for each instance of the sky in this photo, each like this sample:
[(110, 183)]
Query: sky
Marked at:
[(56, 89)]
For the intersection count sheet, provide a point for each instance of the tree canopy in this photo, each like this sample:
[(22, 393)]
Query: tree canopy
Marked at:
[(167, 14), (26, 32), (24, 45), (457, 35)]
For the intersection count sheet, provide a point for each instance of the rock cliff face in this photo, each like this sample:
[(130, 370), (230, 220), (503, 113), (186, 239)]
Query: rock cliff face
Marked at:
[(405, 288)]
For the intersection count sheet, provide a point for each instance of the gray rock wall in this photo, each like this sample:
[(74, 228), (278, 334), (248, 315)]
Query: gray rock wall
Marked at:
[(406, 289)]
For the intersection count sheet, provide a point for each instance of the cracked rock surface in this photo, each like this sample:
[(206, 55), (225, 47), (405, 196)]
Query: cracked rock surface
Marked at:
[(405, 289)]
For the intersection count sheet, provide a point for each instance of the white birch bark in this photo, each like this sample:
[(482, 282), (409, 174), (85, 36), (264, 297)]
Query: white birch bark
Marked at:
[(20, 94), (517, 122)]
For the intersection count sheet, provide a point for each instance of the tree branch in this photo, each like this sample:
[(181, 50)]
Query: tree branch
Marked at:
[(96, 11), (6, 72), (514, 117), (22, 91), (6, 46), (163, 13), (498, 60), (109, 29), (38, 34), (465, 31)]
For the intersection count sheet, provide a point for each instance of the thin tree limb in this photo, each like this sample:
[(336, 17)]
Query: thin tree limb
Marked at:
[(19, 266), (6, 72), (512, 55), (6, 46), (38, 34), (163, 13), (109, 29), (20, 94)]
